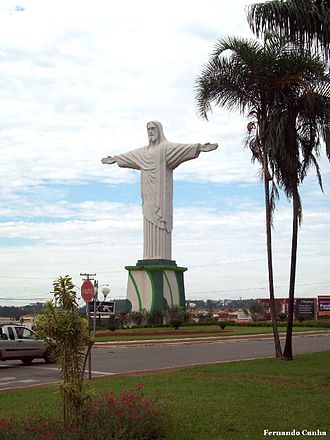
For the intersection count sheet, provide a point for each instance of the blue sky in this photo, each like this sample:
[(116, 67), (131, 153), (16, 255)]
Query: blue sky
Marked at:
[(79, 81)]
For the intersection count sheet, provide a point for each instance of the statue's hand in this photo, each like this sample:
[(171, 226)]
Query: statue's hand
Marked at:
[(209, 147), (109, 160)]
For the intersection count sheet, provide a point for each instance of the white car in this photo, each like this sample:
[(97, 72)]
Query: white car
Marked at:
[(19, 342)]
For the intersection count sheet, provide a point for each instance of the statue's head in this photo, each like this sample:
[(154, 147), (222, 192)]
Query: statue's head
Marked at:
[(155, 132)]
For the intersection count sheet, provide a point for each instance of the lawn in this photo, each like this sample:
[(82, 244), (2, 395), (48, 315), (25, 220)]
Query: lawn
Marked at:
[(229, 401), (197, 331)]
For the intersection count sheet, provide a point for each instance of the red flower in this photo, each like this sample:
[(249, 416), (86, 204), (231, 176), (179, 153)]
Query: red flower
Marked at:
[(4, 426), (35, 428)]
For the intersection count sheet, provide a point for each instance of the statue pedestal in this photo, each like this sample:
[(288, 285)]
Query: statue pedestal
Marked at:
[(153, 284)]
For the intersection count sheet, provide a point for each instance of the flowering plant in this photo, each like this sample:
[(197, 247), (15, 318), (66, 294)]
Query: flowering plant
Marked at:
[(129, 416)]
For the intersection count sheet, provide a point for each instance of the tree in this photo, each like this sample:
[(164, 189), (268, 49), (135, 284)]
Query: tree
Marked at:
[(61, 323), (255, 309), (305, 22), (299, 123), (245, 80), (254, 78)]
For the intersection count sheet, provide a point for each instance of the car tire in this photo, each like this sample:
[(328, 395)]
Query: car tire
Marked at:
[(50, 356)]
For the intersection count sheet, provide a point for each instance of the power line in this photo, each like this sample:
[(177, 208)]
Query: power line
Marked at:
[(256, 288), (257, 259), (190, 293)]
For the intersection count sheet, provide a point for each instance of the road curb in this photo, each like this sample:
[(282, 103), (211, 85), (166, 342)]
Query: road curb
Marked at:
[(205, 339)]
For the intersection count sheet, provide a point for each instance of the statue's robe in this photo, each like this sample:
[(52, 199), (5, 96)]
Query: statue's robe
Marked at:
[(156, 164)]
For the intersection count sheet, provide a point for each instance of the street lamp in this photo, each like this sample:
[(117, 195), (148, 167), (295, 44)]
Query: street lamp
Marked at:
[(105, 291)]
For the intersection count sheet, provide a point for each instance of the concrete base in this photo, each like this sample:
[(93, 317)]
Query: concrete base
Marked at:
[(154, 284)]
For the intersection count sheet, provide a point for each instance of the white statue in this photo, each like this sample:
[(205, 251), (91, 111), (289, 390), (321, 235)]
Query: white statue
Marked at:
[(156, 162)]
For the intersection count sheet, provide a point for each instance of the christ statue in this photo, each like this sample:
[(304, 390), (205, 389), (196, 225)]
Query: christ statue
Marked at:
[(156, 161)]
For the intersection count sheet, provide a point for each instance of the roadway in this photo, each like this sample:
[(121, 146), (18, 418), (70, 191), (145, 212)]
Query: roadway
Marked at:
[(113, 359)]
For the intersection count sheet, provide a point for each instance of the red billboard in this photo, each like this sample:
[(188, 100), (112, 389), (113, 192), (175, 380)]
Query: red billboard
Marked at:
[(323, 305)]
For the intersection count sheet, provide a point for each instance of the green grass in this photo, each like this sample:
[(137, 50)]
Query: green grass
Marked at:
[(228, 331), (229, 401)]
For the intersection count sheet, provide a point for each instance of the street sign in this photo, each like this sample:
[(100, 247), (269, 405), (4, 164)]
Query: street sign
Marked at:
[(87, 290), (104, 307), (323, 305), (305, 308)]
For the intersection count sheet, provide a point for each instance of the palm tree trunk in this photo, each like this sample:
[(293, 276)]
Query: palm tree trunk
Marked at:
[(278, 350), (287, 354)]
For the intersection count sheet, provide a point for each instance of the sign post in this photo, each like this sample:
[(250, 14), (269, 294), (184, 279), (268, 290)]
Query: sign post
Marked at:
[(87, 294)]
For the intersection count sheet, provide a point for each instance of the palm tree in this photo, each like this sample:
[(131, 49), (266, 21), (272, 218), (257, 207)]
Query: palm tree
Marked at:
[(298, 124), (246, 81), (305, 22), (265, 82)]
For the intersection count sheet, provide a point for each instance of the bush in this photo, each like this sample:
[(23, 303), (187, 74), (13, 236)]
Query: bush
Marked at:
[(320, 323), (135, 318), (130, 416), (282, 316), (154, 318), (114, 322), (223, 324), (176, 323)]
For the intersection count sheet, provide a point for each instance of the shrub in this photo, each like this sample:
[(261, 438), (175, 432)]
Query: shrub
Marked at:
[(320, 323), (114, 322), (129, 416), (63, 324), (282, 316), (135, 318), (223, 324), (175, 316), (155, 317), (176, 323)]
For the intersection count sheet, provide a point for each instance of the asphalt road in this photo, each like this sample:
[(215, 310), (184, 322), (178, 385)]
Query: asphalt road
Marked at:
[(122, 359)]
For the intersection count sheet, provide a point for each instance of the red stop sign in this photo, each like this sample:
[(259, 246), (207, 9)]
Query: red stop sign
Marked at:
[(87, 290)]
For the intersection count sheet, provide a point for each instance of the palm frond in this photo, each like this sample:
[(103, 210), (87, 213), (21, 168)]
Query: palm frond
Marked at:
[(305, 22), (285, 93), (274, 196)]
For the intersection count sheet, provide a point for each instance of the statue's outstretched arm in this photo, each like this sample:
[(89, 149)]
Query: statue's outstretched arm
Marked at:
[(208, 147), (109, 160)]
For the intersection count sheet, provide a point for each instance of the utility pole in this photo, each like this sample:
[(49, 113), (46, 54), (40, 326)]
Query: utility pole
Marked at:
[(96, 290), (89, 276)]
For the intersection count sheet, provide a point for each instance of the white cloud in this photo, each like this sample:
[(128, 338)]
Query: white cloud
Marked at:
[(225, 253), (79, 81)]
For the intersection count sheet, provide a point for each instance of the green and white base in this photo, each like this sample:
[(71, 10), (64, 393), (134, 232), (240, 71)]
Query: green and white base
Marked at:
[(155, 284)]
